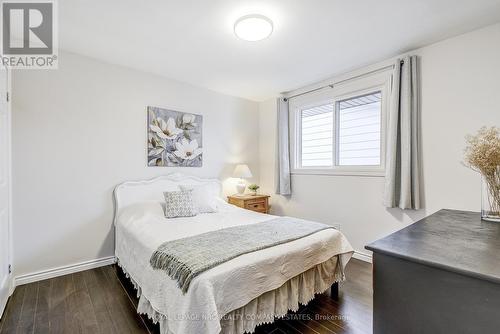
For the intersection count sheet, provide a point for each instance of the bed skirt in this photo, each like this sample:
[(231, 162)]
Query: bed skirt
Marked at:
[(273, 304)]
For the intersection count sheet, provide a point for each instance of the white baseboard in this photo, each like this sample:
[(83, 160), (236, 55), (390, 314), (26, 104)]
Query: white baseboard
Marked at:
[(86, 265), (362, 256), (64, 270)]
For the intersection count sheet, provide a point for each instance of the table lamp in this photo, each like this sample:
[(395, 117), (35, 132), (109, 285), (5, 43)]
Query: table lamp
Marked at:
[(242, 172)]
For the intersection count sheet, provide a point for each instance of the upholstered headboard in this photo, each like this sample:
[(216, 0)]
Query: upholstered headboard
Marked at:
[(131, 192)]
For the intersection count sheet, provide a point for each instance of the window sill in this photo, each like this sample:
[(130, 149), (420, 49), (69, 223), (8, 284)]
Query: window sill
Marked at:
[(333, 172)]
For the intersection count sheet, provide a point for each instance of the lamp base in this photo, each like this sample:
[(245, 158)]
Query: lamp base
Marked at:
[(240, 187)]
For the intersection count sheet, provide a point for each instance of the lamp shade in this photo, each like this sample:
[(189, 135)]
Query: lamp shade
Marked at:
[(242, 172)]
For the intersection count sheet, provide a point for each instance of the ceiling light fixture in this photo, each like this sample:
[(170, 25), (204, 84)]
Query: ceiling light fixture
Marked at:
[(253, 27)]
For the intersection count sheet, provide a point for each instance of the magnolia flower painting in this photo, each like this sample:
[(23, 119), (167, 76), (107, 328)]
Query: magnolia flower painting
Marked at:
[(174, 138)]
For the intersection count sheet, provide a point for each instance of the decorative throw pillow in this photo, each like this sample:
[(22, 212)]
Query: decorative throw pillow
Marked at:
[(204, 197), (179, 204)]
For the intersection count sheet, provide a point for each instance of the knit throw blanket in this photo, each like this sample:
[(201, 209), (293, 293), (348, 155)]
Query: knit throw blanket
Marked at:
[(184, 259)]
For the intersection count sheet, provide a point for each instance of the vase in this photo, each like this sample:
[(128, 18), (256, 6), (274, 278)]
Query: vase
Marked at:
[(490, 198)]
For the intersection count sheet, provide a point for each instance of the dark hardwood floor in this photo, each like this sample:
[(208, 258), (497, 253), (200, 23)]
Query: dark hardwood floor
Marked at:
[(95, 301)]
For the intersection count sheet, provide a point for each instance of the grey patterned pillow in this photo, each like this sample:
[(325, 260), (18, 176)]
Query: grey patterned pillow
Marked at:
[(179, 204)]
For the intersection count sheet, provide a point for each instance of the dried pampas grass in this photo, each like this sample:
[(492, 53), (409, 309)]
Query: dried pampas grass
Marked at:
[(482, 154)]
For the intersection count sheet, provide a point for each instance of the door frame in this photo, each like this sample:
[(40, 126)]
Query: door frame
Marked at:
[(10, 285)]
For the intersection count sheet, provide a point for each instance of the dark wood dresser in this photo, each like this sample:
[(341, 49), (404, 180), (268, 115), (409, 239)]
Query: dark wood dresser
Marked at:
[(439, 275)]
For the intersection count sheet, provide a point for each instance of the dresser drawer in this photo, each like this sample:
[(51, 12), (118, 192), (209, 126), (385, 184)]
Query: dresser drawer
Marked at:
[(256, 200), (256, 205)]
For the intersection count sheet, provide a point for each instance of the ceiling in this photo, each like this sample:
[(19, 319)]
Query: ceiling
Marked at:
[(193, 41)]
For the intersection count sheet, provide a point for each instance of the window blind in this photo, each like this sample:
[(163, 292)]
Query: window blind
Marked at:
[(359, 130), (317, 136)]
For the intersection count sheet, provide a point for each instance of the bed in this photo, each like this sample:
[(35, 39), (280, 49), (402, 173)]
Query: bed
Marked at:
[(235, 296)]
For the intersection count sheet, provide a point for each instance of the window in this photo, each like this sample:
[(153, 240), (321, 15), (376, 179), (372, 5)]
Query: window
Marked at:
[(340, 131), (317, 136), (359, 130)]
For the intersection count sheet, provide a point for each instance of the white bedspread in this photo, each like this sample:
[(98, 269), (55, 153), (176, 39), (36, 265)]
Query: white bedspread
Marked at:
[(142, 227)]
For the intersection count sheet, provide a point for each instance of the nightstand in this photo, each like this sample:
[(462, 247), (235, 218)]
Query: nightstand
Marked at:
[(258, 203)]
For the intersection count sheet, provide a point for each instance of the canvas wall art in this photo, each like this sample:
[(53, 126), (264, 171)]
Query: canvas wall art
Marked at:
[(174, 138)]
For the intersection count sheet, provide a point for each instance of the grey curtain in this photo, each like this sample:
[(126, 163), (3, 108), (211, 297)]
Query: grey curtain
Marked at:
[(283, 186), (402, 179)]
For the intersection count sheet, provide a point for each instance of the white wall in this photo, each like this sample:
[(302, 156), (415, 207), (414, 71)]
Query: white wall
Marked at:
[(460, 89), (80, 130)]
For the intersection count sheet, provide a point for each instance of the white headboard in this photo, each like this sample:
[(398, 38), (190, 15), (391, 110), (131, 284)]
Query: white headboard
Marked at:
[(131, 192)]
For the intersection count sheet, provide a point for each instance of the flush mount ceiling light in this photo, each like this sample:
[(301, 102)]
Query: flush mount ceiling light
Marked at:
[(253, 27)]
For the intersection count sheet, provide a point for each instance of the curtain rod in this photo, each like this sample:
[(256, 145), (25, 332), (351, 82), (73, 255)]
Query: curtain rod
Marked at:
[(341, 81)]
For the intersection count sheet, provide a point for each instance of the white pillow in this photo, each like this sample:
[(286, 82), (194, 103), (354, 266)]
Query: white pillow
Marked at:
[(204, 196)]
